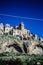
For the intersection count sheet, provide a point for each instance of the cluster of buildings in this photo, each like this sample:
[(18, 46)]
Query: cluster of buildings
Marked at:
[(17, 30)]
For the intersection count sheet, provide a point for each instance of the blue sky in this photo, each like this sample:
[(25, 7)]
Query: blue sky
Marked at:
[(23, 8)]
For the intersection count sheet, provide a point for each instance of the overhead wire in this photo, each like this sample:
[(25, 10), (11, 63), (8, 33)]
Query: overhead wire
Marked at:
[(21, 17)]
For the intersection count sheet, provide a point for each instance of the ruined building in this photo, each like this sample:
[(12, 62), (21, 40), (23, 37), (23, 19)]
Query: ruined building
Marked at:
[(14, 30), (1, 28)]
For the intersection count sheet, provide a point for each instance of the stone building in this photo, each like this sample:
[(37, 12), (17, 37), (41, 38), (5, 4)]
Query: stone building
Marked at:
[(1, 28), (21, 26), (19, 30), (41, 39), (8, 28)]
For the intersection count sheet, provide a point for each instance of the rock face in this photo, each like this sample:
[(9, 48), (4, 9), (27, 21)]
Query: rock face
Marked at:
[(26, 45), (22, 43)]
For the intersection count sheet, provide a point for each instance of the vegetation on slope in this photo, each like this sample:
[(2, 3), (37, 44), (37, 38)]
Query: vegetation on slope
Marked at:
[(11, 58)]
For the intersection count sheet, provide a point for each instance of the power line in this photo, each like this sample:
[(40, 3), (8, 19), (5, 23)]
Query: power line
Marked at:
[(21, 17)]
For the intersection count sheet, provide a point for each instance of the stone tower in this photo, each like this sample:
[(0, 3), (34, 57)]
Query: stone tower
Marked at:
[(21, 26)]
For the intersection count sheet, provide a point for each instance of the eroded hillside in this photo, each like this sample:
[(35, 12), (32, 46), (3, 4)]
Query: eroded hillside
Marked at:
[(28, 44)]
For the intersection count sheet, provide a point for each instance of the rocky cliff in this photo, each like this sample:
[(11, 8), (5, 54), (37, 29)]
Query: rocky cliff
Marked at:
[(29, 43)]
